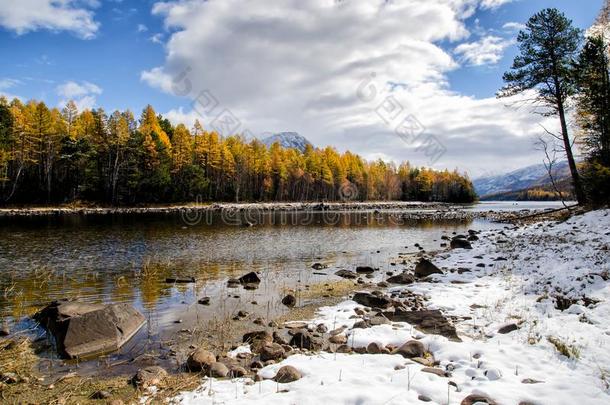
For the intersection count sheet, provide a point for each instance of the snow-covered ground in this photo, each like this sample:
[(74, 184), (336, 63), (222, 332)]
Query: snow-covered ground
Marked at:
[(538, 263)]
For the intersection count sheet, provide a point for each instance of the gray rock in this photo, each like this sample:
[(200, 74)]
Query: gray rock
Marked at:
[(304, 340), (370, 300), (475, 398), (402, 279), (374, 348), (148, 376), (426, 268), (250, 278), (289, 300), (346, 274), (200, 360), (85, 330), (460, 243), (271, 351), (365, 270), (428, 321), (411, 349), (287, 374), (218, 370), (511, 327)]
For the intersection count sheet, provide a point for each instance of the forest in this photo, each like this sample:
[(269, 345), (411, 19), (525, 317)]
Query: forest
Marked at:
[(59, 156)]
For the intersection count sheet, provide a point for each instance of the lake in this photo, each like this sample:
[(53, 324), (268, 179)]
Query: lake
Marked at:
[(127, 259)]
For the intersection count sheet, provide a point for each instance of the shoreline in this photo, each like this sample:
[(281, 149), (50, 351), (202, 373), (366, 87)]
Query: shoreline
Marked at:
[(217, 207)]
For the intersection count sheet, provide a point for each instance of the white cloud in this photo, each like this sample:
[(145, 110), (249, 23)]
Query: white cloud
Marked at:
[(513, 26), (142, 28), (6, 84), (84, 94), (157, 38), (486, 51), (56, 15), (297, 66), (493, 4)]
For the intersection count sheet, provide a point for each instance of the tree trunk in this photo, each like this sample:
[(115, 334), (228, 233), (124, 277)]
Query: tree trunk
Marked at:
[(578, 190)]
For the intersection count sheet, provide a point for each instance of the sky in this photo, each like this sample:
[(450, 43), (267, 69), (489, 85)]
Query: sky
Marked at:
[(391, 79)]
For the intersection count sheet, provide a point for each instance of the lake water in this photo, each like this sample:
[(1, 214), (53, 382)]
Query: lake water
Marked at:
[(127, 259)]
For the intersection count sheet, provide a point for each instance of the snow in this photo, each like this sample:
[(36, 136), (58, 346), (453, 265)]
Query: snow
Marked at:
[(542, 261)]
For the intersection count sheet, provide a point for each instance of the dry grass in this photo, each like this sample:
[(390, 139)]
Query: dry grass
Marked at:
[(568, 350)]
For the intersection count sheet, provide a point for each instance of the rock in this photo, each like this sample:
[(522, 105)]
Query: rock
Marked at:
[(374, 348), (250, 278), (233, 283), (473, 238), (250, 286), (218, 370), (411, 349), (511, 327), (321, 328), (255, 365), (425, 268), (84, 330), (531, 381), (370, 300), (428, 321), (271, 351), (148, 376), (257, 340), (318, 266), (287, 374), (289, 300), (477, 399), (365, 270), (304, 340), (436, 371), (237, 371), (343, 349), (204, 301), (424, 398), (100, 395), (9, 378), (378, 320), (402, 279), (4, 330), (346, 274), (180, 280), (460, 243), (200, 360), (338, 339)]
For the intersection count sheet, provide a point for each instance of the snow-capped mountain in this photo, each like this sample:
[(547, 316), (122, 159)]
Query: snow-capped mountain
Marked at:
[(288, 140), (520, 179)]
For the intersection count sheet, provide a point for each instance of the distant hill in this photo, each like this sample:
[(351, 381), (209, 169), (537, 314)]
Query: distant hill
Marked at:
[(288, 140), (528, 183)]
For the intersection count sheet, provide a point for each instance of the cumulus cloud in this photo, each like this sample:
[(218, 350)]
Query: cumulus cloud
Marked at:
[(75, 16), (488, 50), (493, 4), (83, 94), (333, 70)]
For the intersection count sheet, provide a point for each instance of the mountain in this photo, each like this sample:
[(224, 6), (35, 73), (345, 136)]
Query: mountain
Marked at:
[(288, 140), (523, 182)]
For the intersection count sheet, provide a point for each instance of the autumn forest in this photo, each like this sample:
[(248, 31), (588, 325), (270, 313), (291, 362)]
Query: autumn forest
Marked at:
[(52, 155)]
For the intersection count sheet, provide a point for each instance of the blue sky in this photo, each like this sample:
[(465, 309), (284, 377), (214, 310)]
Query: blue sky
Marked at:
[(116, 54)]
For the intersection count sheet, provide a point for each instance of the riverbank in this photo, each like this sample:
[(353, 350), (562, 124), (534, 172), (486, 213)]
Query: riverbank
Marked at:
[(530, 304), (194, 208)]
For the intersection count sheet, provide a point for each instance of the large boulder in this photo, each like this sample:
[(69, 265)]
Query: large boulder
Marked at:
[(365, 270), (350, 275), (200, 360), (250, 278), (304, 340), (149, 376), (426, 268), (271, 351), (287, 374), (402, 278), (460, 243), (428, 321), (411, 349), (84, 330), (370, 300)]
